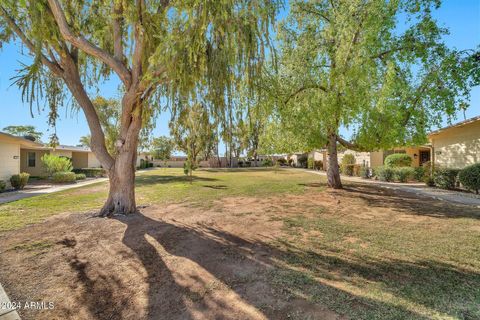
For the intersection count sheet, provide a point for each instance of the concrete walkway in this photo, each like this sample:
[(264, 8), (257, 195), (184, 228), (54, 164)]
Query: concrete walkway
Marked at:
[(39, 190), (419, 189), (6, 312)]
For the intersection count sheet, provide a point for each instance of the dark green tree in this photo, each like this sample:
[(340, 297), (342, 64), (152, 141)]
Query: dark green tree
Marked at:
[(346, 64), (24, 131)]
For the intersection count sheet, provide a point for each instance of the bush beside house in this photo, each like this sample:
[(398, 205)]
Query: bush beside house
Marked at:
[(19, 181), (384, 173), (91, 172), (3, 185), (54, 164), (398, 160), (80, 176), (445, 178), (469, 177), (63, 177), (403, 174)]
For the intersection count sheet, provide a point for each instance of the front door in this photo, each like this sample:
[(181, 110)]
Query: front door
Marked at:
[(424, 156)]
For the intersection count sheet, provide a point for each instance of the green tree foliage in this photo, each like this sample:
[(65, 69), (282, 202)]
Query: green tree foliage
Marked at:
[(53, 164), (162, 148), (24, 131), (85, 141), (347, 64), (192, 131), (398, 160), (157, 49)]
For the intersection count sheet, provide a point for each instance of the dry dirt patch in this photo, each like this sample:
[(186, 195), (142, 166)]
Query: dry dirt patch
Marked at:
[(175, 261)]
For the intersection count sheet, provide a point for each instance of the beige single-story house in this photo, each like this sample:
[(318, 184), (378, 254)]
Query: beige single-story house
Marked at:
[(18, 154), (456, 146), (419, 155)]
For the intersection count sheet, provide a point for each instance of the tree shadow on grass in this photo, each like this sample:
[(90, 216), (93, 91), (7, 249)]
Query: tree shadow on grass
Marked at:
[(205, 270), (144, 180), (408, 203)]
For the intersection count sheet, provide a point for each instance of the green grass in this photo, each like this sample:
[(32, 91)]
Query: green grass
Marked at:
[(157, 186), (376, 269)]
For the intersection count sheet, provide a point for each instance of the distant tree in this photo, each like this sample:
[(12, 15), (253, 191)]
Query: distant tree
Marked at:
[(192, 131), (24, 131), (85, 141), (162, 148), (349, 64), (157, 49)]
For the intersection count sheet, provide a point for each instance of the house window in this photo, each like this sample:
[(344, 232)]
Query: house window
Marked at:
[(31, 159)]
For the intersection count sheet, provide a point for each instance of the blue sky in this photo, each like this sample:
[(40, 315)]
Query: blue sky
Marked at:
[(462, 17)]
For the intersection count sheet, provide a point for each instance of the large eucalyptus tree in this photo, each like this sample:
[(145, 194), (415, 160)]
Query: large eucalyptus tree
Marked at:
[(356, 64), (155, 47)]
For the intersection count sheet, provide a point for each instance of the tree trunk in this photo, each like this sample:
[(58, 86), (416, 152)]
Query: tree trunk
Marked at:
[(333, 172), (121, 196)]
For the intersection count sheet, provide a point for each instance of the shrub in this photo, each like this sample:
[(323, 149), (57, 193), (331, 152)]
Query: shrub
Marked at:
[(91, 172), (469, 177), (429, 181), (364, 172), (445, 178), (310, 163), (3, 185), (318, 165), (248, 164), (384, 173), (350, 169), (53, 164), (302, 161), (281, 161), (19, 181), (80, 176), (398, 160), (267, 163), (61, 177), (240, 164), (347, 164), (419, 173), (402, 174)]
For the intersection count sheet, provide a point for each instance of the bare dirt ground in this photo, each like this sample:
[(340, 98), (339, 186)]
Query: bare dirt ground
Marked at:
[(175, 261)]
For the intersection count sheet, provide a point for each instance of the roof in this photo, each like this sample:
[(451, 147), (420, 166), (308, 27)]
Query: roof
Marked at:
[(72, 148), (458, 124), (26, 143), (22, 141)]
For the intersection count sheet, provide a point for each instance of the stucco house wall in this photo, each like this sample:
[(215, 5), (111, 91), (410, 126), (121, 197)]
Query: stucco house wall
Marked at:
[(458, 146), (79, 160), (38, 169), (93, 161), (9, 159)]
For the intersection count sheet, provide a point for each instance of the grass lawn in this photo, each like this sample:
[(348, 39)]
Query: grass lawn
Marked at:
[(243, 244)]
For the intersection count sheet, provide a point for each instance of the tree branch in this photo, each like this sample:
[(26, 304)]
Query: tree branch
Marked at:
[(52, 65), (304, 88), (117, 31), (348, 144), (83, 44)]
